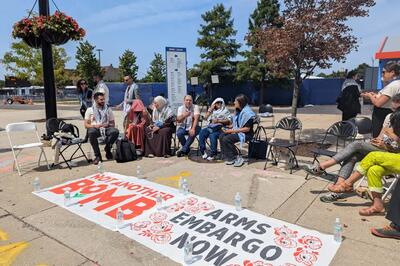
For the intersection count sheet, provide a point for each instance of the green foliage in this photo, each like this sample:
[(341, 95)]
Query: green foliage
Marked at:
[(87, 64), (25, 62), (217, 40), (157, 71), (2, 83), (254, 67), (127, 64)]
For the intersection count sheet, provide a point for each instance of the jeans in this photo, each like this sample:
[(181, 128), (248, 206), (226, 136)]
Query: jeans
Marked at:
[(213, 135), (351, 154), (111, 136), (186, 142)]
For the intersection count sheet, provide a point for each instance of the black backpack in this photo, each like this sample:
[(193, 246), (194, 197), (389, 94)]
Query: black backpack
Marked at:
[(125, 152), (54, 125)]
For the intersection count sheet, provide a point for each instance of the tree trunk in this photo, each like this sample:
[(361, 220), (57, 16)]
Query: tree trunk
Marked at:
[(296, 91)]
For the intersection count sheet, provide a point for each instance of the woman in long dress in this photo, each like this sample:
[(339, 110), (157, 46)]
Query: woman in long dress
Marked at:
[(159, 133), (138, 119)]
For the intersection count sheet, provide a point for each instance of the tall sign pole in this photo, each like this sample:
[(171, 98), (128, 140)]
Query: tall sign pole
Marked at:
[(48, 70)]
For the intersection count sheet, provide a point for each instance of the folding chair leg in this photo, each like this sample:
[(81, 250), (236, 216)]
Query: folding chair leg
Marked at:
[(45, 157), (360, 182), (390, 188), (16, 162), (314, 160)]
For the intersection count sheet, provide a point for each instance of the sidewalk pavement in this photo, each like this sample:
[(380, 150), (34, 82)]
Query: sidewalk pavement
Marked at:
[(50, 235)]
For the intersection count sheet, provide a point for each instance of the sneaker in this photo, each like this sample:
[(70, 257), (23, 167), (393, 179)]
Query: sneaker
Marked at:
[(180, 153), (230, 162), (390, 231), (314, 170), (210, 158), (239, 162), (204, 156), (331, 197)]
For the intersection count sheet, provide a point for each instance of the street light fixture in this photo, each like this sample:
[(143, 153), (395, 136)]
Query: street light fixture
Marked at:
[(99, 51)]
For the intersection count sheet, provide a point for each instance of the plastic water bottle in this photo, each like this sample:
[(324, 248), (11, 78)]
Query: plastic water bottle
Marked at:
[(36, 184), (114, 150), (159, 201), (89, 156), (180, 185), (337, 231), (138, 171), (185, 187), (67, 196), (100, 168), (188, 251), (120, 218), (238, 202)]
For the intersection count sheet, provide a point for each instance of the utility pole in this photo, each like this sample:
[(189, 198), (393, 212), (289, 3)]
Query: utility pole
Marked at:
[(48, 70), (99, 51)]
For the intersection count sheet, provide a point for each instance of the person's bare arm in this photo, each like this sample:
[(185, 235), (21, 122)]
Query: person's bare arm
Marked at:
[(379, 100)]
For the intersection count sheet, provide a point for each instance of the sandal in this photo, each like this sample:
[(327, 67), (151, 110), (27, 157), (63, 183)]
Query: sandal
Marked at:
[(340, 188), (371, 211)]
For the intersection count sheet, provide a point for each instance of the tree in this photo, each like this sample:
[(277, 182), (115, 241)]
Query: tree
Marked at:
[(25, 62), (255, 66), (157, 71), (87, 64), (217, 41), (127, 64), (313, 34)]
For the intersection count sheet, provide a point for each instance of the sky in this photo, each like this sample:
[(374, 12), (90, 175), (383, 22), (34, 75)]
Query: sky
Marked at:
[(148, 26)]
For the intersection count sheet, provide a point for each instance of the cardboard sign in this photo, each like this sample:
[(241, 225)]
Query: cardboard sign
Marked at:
[(220, 234)]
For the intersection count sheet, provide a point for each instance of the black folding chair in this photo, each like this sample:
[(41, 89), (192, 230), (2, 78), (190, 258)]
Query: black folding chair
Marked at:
[(342, 132), (364, 126), (292, 125), (53, 126)]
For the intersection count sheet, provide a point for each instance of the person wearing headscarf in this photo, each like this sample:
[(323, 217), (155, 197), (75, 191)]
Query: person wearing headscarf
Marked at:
[(137, 120), (217, 117), (242, 131), (159, 133)]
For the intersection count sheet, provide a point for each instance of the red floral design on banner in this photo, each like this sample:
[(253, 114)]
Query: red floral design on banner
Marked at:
[(306, 245), (311, 242), (285, 242), (190, 205), (306, 257), (254, 263), (158, 229)]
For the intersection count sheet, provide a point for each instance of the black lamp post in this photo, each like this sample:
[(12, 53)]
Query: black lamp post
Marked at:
[(48, 70)]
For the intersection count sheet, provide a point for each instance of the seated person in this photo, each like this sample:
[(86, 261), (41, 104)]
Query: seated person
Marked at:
[(159, 133), (375, 165), (187, 124), (217, 116), (393, 215), (100, 121), (242, 131), (138, 119), (353, 153)]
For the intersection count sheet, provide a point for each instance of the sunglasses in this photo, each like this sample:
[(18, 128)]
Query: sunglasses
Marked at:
[(126, 80)]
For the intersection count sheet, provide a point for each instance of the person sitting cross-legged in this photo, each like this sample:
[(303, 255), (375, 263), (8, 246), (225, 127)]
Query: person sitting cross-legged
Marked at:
[(187, 125), (375, 165), (100, 121), (357, 150), (242, 131), (217, 117)]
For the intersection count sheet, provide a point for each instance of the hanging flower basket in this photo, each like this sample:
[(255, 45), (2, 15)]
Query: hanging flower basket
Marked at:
[(56, 29), (33, 41)]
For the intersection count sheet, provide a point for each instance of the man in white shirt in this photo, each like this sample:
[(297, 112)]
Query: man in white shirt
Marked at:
[(100, 121), (131, 93), (187, 125), (101, 87)]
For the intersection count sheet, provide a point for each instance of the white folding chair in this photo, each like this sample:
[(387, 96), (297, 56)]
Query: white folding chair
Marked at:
[(387, 186), (17, 149)]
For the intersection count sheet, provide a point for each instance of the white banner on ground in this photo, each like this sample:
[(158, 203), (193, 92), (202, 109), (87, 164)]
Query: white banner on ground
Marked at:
[(220, 234), (176, 76)]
